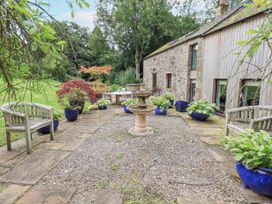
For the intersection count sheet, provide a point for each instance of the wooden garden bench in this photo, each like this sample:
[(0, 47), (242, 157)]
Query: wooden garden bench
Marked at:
[(250, 117), (26, 117)]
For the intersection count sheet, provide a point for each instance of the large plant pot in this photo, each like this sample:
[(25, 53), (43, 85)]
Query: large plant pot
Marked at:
[(199, 116), (71, 115), (126, 109), (78, 104), (133, 87), (46, 129), (171, 104), (158, 111), (258, 180), (102, 107), (181, 106)]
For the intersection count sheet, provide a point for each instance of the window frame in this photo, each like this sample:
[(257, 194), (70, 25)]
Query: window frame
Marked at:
[(154, 80), (168, 80), (193, 60), (191, 95), (216, 88), (242, 89)]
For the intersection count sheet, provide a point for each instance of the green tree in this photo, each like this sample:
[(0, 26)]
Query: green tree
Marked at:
[(27, 41), (132, 26)]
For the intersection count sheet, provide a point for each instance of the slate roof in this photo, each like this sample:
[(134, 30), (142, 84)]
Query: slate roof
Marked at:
[(231, 17)]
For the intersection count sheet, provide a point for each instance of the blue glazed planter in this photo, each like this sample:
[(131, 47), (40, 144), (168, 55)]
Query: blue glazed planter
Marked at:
[(46, 129), (199, 116), (102, 107), (126, 109), (181, 106), (71, 115), (159, 112), (171, 104), (258, 180)]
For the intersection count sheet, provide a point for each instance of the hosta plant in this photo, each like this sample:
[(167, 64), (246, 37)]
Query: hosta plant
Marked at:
[(202, 106), (160, 102), (169, 96), (253, 149), (128, 102), (103, 102)]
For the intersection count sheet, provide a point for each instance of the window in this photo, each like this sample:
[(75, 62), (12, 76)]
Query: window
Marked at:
[(221, 93), (250, 94), (192, 90), (193, 51), (168, 80), (154, 80)]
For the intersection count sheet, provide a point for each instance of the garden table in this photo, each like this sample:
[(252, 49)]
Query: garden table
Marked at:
[(118, 96)]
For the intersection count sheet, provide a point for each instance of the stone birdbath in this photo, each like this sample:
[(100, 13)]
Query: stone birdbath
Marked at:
[(141, 109)]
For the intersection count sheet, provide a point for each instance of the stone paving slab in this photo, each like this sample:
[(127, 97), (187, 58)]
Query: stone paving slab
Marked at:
[(11, 193), (3, 170), (182, 200), (34, 167), (47, 196), (52, 145), (211, 140), (18, 147), (84, 136), (73, 145), (99, 197)]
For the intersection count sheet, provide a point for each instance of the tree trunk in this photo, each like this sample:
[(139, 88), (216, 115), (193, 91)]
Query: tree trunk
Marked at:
[(137, 63)]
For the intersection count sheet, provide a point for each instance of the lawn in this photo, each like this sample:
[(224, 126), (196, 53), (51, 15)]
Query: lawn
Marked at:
[(47, 96)]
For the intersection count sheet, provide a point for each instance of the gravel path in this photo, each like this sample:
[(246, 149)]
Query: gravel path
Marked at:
[(171, 163)]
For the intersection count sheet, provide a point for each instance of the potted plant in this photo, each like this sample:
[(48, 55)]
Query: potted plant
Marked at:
[(56, 117), (71, 109), (181, 106), (84, 86), (126, 103), (93, 107), (201, 110), (162, 104), (171, 98), (253, 152), (103, 104)]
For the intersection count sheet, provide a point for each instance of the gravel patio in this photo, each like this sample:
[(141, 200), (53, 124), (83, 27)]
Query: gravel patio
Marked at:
[(95, 160)]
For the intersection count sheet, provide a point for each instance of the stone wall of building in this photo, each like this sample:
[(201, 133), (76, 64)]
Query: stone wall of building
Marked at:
[(177, 62)]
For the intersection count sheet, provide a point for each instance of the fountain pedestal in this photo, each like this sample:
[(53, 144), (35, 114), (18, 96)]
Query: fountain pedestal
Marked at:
[(141, 110)]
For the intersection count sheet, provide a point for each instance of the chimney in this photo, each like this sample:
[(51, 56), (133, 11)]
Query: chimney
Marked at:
[(222, 8)]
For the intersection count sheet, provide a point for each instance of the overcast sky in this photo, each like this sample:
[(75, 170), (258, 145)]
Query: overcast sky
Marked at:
[(83, 17)]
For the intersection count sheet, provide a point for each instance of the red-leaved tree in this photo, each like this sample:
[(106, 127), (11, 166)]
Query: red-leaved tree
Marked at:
[(66, 87)]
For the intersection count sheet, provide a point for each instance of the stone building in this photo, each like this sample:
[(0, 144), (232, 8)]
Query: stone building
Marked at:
[(203, 65)]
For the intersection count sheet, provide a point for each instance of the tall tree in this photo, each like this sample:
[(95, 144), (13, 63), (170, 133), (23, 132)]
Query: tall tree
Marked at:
[(132, 25)]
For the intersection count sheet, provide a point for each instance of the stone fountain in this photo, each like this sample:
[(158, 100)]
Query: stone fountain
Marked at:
[(141, 109)]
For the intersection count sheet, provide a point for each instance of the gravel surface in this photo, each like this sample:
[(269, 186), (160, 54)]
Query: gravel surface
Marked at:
[(171, 163)]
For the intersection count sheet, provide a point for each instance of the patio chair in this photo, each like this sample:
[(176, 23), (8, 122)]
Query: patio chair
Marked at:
[(250, 117), (26, 117)]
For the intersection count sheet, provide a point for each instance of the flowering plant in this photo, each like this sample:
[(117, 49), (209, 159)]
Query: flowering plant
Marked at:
[(84, 86)]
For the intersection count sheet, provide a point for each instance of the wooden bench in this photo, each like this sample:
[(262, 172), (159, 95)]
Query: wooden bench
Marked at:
[(250, 117), (26, 117)]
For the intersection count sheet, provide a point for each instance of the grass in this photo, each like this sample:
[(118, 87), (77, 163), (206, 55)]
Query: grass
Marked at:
[(115, 167), (46, 96)]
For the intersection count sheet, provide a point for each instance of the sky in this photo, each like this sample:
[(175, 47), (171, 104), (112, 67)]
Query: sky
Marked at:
[(84, 17)]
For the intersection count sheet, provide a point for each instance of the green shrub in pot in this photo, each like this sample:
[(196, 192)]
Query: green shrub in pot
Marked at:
[(253, 149), (160, 102), (103, 102), (129, 101), (203, 107)]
